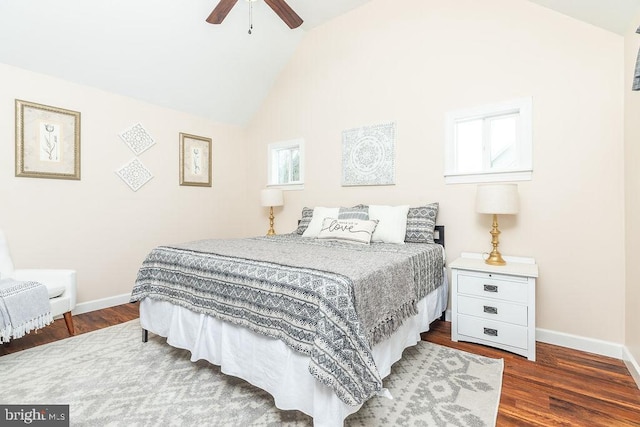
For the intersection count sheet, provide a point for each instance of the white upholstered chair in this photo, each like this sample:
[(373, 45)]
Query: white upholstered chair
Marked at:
[(61, 284)]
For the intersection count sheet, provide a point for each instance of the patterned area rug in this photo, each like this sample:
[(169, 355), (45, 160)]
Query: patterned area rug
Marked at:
[(109, 377)]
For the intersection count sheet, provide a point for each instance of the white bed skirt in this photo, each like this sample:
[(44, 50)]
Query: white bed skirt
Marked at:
[(268, 363)]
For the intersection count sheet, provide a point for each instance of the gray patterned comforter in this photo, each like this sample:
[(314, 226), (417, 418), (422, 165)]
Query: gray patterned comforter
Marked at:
[(329, 300)]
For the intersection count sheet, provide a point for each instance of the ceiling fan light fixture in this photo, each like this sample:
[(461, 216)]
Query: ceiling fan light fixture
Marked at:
[(251, 15), (280, 7)]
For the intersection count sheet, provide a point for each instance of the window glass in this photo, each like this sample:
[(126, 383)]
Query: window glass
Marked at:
[(489, 143), (286, 163), (503, 142), (469, 146)]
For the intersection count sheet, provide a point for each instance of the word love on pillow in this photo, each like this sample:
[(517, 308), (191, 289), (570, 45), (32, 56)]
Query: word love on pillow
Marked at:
[(348, 230)]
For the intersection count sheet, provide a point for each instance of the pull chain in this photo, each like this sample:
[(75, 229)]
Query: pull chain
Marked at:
[(250, 16)]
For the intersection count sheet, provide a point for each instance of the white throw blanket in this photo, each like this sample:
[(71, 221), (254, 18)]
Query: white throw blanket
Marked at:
[(24, 306)]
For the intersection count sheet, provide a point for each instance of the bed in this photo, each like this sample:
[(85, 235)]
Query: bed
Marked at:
[(315, 322)]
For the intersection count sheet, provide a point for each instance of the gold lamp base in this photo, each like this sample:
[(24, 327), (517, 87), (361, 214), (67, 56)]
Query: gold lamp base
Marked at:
[(271, 231), (495, 258)]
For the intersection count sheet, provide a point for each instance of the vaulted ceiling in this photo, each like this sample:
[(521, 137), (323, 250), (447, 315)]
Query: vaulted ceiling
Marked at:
[(163, 51)]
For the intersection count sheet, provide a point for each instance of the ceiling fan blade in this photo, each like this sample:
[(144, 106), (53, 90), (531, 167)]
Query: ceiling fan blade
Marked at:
[(221, 11), (284, 11)]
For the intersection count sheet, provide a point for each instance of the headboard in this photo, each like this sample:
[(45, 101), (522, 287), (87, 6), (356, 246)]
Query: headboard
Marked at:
[(438, 235)]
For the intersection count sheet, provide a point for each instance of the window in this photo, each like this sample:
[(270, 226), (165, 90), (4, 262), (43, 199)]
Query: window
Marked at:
[(489, 143), (286, 164)]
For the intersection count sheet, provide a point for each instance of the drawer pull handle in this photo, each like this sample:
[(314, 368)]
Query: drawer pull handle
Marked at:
[(490, 288), (490, 310), (491, 332)]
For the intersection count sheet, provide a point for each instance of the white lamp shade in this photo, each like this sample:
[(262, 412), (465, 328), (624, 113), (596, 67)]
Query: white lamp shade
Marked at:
[(272, 197), (497, 199)]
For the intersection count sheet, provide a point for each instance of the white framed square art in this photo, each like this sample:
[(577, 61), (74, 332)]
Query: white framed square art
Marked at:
[(368, 155)]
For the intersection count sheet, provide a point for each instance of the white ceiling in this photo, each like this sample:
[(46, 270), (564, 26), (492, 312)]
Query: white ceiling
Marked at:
[(612, 15), (163, 51)]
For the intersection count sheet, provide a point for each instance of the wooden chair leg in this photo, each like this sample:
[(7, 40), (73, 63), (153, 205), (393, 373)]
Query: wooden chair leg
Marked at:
[(69, 321)]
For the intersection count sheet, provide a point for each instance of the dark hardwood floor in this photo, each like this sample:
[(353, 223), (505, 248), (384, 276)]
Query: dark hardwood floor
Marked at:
[(83, 323), (562, 388)]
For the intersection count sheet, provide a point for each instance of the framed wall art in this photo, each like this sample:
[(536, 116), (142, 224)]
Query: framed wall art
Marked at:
[(195, 160), (368, 155), (47, 141)]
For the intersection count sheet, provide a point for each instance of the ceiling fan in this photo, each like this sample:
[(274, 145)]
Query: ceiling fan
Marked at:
[(280, 7)]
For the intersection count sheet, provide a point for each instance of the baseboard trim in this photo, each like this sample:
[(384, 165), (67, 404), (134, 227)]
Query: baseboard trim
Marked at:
[(99, 304), (590, 345), (632, 365)]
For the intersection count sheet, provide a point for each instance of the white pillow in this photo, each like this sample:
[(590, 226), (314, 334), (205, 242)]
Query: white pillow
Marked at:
[(351, 230), (392, 223), (319, 214), (55, 290)]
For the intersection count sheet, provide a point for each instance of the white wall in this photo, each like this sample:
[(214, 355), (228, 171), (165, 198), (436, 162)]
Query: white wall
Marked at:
[(378, 63), (632, 202), (411, 65), (97, 225)]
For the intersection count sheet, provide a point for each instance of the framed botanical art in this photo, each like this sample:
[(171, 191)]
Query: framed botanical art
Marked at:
[(195, 160), (47, 141)]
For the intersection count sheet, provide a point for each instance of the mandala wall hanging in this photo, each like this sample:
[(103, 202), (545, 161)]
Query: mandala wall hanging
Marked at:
[(368, 155), (134, 174), (137, 138)]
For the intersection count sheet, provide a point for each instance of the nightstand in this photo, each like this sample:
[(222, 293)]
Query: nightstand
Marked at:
[(495, 305)]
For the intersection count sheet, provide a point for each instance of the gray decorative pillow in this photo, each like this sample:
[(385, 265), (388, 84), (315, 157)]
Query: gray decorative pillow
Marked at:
[(356, 212), (307, 214), (421, 222), (357, 231)]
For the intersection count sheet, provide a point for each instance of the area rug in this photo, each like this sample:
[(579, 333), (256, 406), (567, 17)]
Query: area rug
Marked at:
[(110, 378)]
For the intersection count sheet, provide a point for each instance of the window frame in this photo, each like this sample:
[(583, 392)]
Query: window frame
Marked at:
[(277, 146), (523, 107)]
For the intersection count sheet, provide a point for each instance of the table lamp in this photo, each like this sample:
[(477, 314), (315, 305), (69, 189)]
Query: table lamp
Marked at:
[(271, 197), (496, 199)]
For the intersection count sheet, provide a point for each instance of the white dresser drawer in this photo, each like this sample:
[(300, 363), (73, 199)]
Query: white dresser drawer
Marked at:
[(492, 286), (495, 305), (492, 331), (501, 311)]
